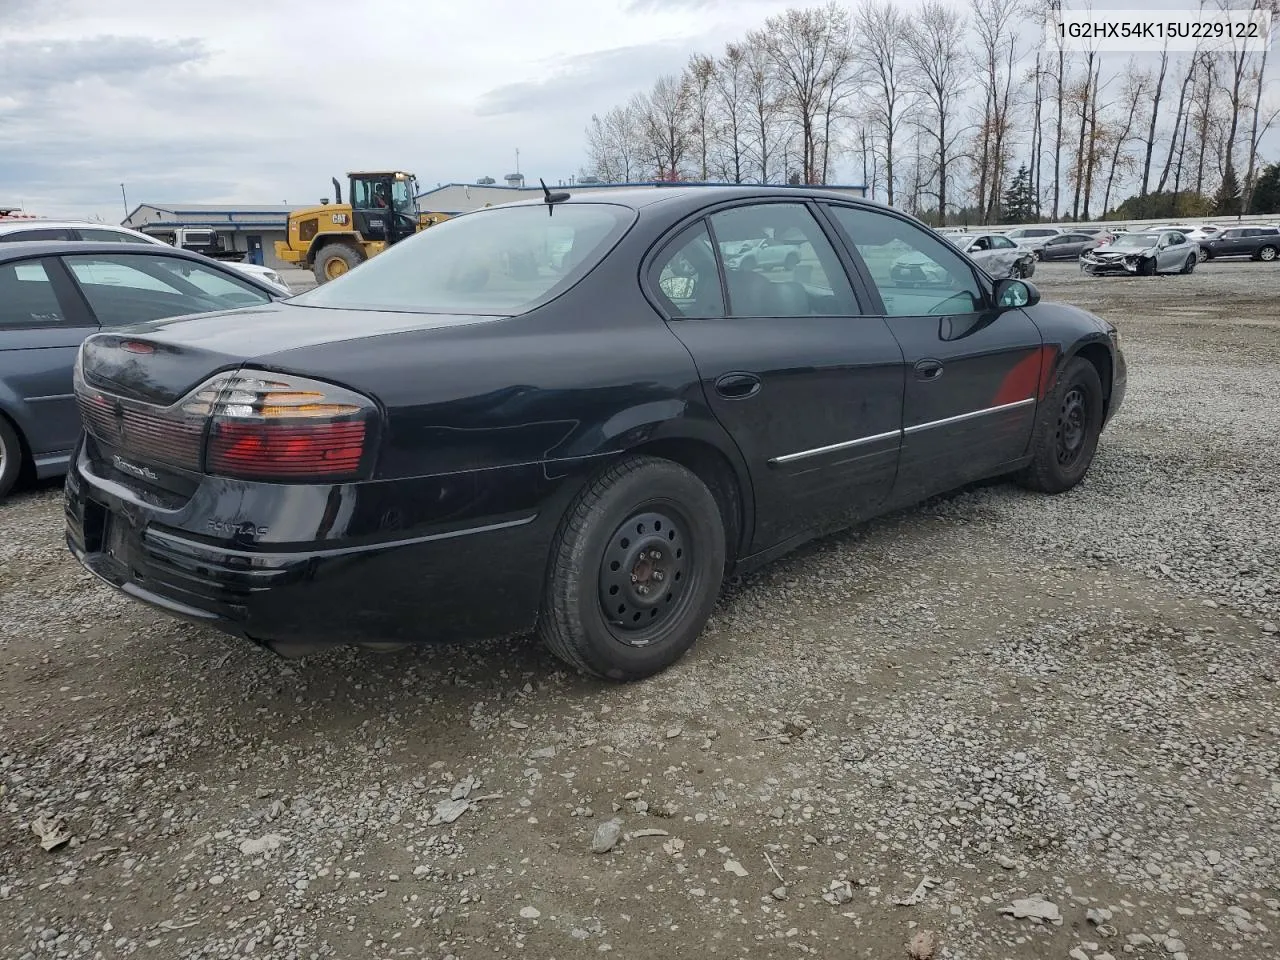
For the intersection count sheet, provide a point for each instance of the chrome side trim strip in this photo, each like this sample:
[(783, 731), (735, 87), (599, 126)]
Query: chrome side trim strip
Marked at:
[(916, 428), (973, 414), (833, 447)]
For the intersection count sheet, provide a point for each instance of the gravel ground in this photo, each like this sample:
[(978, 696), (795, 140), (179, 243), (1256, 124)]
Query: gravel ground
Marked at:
[(995, 726)]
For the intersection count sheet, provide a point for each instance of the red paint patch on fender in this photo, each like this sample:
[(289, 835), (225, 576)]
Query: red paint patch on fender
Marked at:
[(1028, 377)]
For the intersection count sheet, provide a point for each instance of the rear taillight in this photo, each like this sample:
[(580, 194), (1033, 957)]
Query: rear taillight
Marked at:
[(283, 427)]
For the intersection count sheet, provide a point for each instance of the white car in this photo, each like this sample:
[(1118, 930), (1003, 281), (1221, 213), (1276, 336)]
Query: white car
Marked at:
[(29, 228), (1206, 231)]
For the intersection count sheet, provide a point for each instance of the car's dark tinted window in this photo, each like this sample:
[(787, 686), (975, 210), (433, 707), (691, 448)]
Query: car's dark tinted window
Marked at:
[(915, 272), (27, 297), (132, 287), (686, 276), (778, 263), (42, 233), (497, 262)]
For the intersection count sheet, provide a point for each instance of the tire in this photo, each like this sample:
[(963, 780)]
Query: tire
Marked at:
[(595, 556), (747, 265), (10, 457), (1266, 254), (1147, 268), (792, 261), (336, 259), (1190, 265), (1078, 388), (1203, 255)]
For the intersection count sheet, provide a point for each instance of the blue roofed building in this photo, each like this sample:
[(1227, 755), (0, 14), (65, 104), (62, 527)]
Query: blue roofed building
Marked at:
[(245, 227)]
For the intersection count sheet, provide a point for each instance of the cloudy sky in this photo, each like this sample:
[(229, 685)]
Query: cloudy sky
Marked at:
[(261, 101)]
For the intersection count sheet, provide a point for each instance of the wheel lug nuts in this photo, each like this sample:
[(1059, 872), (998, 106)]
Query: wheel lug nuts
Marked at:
[(634, 578), (657, 574), (642, 589), (656, 554)]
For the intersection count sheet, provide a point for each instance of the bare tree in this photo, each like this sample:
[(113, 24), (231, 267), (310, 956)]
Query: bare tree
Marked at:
[(881, 50), (1153, 119), (1179, 134), (935, 50), (614, 145), (731, 93), (809, 50), (1037, 76), (1135, 92), (698, 80), (664, 124), (995, 24), (1258, 126), (761, 87), (1060, 81)]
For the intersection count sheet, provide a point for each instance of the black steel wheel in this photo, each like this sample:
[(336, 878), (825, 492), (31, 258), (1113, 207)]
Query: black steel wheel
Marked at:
[(1072, 427), (643, 575), (1065, 435), (636, 567)]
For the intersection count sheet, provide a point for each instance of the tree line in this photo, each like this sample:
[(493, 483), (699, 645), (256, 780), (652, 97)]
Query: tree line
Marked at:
[(955, 114)]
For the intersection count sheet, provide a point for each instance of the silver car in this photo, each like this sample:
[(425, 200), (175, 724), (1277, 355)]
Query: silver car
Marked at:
[(1145, 253), (996, 254)]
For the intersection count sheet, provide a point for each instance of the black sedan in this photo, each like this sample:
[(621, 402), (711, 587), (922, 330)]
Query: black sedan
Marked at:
[(568, 415), (55, 293)]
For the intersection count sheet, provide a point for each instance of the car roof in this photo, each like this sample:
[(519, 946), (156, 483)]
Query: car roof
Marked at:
[(39, 223), (694, 197)]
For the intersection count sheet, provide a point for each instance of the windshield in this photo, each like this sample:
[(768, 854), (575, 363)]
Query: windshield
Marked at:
[(1135, 241), (499, 262)]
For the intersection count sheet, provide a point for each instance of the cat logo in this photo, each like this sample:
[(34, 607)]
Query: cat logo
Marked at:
[(339, 218)]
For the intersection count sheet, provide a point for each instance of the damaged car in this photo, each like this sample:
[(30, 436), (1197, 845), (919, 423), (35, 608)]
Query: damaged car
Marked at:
[(1142, 254)]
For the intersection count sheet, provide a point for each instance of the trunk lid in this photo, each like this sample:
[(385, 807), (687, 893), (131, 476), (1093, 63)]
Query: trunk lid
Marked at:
[(161, 361)]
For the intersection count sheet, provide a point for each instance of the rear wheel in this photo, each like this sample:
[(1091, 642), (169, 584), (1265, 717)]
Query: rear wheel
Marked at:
[(1068, 424), (635, 570), (10, 457), (1203, 255), (335, 260), (1267, 253)]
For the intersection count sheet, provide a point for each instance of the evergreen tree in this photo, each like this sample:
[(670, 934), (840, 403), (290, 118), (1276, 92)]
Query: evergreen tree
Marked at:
[(1226, 202), (1019, 202), (1266, 193)]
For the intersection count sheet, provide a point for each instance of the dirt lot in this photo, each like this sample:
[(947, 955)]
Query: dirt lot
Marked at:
[(897, 733)]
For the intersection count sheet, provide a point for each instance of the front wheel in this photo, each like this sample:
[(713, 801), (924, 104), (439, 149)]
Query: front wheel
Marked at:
[(335, 260), (1190, 264), (1068, 424), (635, 570)]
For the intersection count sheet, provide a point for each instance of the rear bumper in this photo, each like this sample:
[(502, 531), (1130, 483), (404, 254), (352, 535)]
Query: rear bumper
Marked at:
[(470, 579)]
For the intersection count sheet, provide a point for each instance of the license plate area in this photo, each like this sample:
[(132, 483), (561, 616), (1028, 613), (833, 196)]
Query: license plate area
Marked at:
[(115, 542)]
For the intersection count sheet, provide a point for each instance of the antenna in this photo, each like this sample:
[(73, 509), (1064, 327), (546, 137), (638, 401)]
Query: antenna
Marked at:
[(552, 198)]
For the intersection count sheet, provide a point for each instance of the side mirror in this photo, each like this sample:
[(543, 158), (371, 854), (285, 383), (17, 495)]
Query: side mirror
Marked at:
[(1011, 293)]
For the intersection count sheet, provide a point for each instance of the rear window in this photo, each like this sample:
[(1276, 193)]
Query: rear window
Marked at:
[(501, 261)]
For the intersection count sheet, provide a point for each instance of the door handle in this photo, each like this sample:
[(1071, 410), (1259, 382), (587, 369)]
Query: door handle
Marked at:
[(738, 386), (928, 369)]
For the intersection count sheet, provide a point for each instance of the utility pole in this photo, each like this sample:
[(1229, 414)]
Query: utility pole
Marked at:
[(517, 159), (125, 199)]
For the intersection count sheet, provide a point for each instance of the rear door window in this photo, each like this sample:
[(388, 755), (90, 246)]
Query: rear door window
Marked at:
[(110, 236), (41, 233), (27, 296), (131, 288)]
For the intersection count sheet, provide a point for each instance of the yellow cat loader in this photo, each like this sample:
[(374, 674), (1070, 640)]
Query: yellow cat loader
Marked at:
[(334, 237)]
